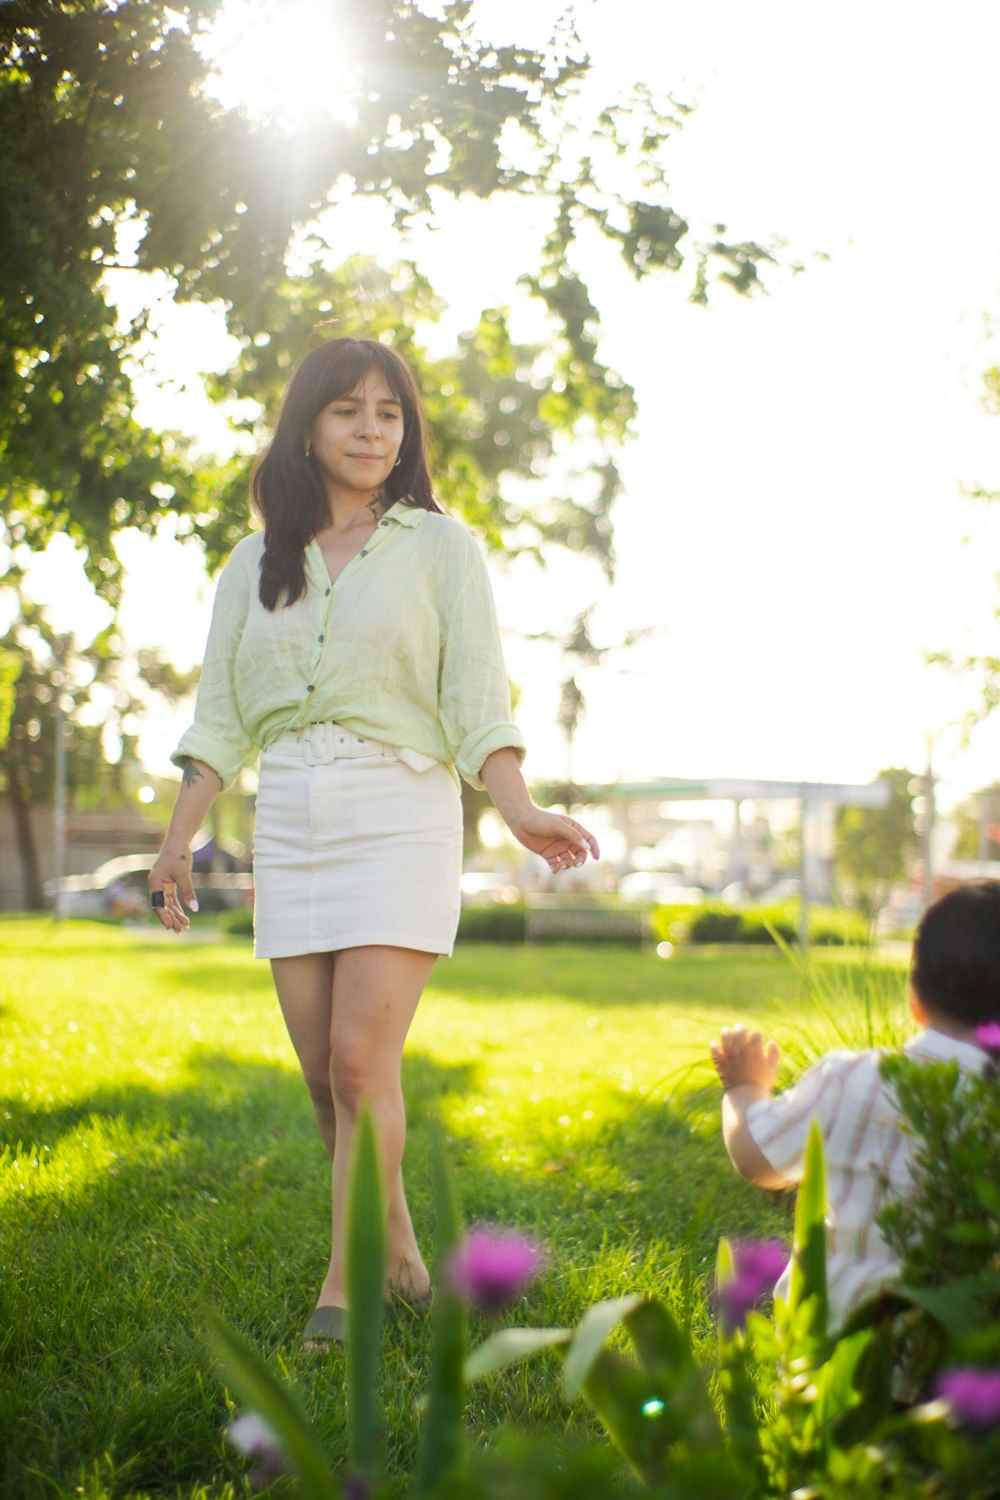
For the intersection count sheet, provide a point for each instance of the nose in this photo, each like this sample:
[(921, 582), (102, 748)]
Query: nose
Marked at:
[(367, 422)]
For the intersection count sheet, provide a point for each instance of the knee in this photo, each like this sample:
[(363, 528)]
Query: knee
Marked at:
[(353, 1077), (320, 1090)]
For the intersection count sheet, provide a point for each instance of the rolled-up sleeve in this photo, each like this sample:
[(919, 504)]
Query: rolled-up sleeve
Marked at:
[(780, 1126), (218, 735), (473, 695)]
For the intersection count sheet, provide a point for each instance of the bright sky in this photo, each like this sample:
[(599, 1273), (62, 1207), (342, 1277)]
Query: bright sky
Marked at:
[(792, 524)]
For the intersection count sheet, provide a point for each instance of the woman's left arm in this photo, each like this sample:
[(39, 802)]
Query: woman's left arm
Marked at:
[(561, 841)]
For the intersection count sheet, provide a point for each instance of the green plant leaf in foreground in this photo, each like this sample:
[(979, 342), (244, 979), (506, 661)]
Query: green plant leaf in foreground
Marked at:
[(809, 1258), (441, 1431), (511, 1345), (257, 1388), (589, 1339), (365, 1283)]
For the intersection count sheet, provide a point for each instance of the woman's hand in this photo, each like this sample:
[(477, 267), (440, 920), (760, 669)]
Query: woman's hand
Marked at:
[(562, 842), (171, 875)]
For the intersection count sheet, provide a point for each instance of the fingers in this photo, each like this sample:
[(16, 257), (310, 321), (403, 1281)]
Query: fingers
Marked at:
[(578, 846), (742, 1056), (171, 897)]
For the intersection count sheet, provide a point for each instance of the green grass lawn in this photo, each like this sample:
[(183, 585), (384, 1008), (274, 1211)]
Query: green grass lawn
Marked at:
[(159, 1157)]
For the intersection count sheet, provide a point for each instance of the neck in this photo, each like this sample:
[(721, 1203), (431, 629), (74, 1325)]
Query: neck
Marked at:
[(953, 1029), (348, 510)]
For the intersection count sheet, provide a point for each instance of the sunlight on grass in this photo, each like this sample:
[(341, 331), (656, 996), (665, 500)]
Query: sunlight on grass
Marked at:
[(159, 1156)]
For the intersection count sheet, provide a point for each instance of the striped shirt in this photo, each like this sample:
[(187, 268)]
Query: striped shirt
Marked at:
[(867, 1157)]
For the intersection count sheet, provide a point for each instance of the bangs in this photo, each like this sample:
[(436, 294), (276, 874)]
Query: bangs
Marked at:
[(354, 363)]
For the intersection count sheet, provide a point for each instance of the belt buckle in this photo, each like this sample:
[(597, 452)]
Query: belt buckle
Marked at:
[(318, 744)]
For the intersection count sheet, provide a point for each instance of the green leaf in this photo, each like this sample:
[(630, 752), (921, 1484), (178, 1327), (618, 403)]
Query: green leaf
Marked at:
[(510, 1346), (589, 1338), (965, 1232), (961, 1306), (872, 1381), (725, 1273), (441, 1431), (988, 1194), (365, 1282), (258, 1390), (619, 1394), (673, 1376), (808, 1281)]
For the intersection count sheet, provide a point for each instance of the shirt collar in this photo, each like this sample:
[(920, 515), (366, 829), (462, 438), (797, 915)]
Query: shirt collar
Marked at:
[(406, 515), (940, 1048)]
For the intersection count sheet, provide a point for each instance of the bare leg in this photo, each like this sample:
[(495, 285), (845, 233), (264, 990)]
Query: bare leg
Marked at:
[(348, 1015), (305, 994), (375, 995)]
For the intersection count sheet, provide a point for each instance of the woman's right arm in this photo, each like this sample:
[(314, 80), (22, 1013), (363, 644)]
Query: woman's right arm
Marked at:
[(171, 873), (218, 732)]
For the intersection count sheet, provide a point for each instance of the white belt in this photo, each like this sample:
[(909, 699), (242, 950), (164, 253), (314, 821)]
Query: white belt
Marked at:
[(319, 744)]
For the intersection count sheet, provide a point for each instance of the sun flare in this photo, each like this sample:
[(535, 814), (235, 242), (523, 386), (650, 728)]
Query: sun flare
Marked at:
[(283, 61)]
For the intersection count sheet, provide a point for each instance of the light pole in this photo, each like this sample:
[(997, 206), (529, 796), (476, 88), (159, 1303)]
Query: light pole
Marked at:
[(59, 819)]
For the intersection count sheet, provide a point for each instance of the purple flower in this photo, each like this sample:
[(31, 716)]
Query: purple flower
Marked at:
[(973, 1395), (757, 1266), (489, 1267), (256, 1439), (988, 1037)]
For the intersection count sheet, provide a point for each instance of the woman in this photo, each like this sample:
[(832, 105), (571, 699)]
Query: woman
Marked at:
[(354, 643)]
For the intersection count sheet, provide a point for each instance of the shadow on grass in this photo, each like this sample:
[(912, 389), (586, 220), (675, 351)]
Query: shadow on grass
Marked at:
[(152, 1204)]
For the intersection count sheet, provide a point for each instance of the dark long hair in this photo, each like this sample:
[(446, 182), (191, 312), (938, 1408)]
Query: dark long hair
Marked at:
[(286, 487)]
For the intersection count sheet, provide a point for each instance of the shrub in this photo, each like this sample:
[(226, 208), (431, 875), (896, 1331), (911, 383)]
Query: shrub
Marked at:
[(492, 924), (716, 922), (238, 922)]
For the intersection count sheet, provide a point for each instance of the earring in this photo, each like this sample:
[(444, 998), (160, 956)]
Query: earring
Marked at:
[(309, 450), (397, 463)]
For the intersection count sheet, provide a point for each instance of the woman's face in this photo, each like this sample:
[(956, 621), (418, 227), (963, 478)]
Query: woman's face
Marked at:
[(355, 441)]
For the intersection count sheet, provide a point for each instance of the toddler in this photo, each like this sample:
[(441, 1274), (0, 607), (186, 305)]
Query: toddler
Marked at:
[(954, 988)]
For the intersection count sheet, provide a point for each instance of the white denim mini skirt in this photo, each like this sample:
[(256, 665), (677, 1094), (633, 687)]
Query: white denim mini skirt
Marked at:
[(354, 846)]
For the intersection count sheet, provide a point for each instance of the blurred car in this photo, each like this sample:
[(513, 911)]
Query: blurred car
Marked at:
[(118, 889), (481, 887), (781, 890), (658, 889)]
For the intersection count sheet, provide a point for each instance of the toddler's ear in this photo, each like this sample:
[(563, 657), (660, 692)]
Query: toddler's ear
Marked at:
[(917, 1010)]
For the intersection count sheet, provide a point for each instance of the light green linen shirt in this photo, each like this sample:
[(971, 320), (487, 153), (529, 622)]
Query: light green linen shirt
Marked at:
[(403, 648)]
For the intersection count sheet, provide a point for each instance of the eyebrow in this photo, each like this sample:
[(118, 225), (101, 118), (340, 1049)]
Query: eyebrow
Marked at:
[(356, 401)]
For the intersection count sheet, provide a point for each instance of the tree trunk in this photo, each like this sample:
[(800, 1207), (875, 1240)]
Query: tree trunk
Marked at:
[(34, 896)]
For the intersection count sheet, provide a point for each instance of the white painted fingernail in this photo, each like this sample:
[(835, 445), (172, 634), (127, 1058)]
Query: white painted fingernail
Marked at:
[(193, 904)]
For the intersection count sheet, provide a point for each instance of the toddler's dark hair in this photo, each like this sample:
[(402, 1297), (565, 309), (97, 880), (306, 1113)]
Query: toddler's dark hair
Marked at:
[(956, 954)]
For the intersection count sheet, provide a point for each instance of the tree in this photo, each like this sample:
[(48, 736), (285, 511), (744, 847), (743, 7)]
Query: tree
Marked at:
[(978, 825), (117, 155), (982, 668), (874, 844), (494, 416), (100, 696)]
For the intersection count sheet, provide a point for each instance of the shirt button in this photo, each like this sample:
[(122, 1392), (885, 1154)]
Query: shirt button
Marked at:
[(364, 552), (322, 639), (383, 523), (328, 593), (311, 688)]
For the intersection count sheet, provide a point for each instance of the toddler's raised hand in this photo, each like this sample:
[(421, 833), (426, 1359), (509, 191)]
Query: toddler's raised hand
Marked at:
[(742, 1056)]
